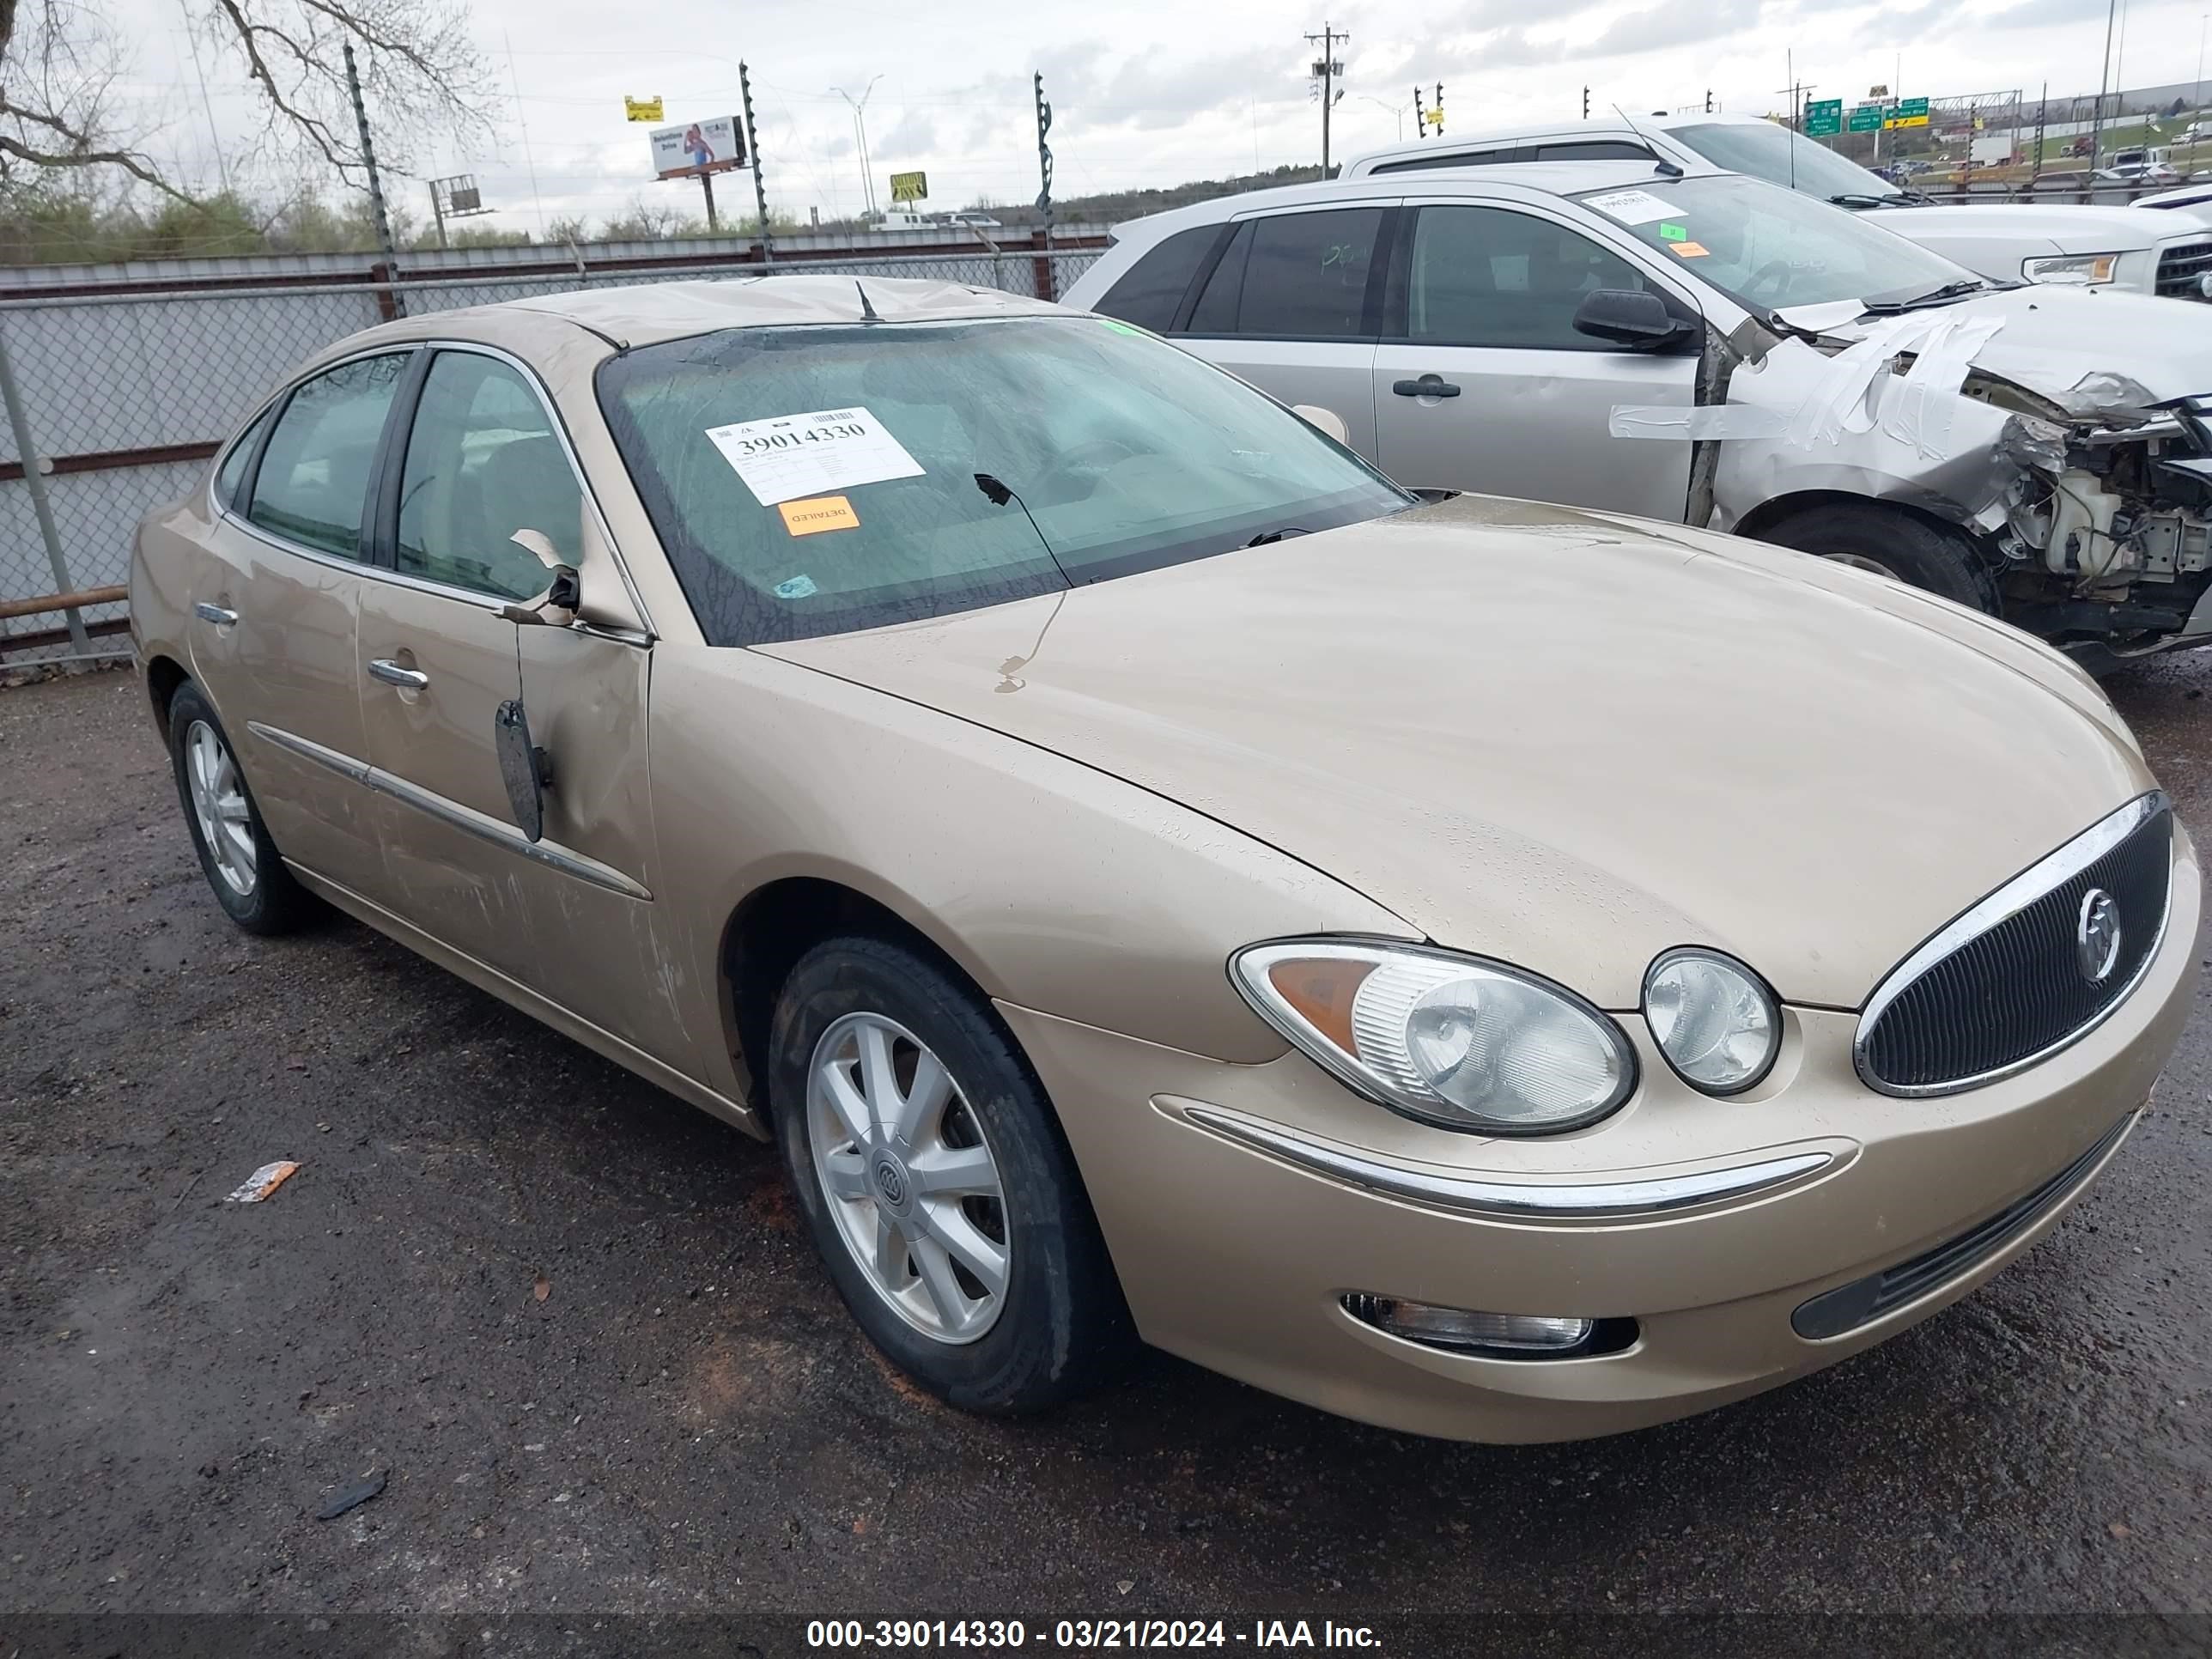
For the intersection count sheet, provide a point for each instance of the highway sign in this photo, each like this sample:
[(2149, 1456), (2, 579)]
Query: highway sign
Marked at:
[(1910, 113), (642, 109), (1823, 117), (1867, 118), (909, 186)]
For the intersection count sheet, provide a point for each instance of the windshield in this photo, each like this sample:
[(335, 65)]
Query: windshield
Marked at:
[(1770, 249), (1767, 151), (813, 480)]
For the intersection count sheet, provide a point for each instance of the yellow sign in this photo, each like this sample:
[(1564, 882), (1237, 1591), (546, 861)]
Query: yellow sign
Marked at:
[(1906, 121), (642, 109), (812, 517), (909, 186)]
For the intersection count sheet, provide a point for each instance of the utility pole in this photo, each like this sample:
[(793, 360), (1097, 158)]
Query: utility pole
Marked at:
[(1328, 67), (752, 154), (861, 131), (368, 162)]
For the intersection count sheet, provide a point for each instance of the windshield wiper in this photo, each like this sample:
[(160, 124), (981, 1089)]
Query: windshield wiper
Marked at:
[(1266, 537), (1860, 198), (1934, 297)]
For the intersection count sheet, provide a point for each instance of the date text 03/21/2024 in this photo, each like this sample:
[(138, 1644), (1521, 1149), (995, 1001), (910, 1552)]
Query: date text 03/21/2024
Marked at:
[(1084, 1633)]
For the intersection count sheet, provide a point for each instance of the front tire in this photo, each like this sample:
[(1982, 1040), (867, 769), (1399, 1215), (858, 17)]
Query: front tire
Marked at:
[(1893, 543), (241, 862), (936, 1183)]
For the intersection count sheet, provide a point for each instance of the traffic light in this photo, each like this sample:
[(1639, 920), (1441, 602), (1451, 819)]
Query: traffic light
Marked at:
[(1585, 103)]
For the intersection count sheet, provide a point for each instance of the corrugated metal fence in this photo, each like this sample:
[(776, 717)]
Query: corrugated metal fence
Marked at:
[(126, 378)]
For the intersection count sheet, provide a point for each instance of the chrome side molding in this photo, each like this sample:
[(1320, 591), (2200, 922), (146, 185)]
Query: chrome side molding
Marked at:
[(1584, 1200)]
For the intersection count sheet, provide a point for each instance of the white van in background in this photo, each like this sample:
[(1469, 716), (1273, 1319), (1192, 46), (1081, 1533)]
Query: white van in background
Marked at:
[(2005, 241)]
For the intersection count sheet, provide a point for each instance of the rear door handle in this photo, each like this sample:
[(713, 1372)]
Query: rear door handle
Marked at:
[(408, 679), (215, 613), (1429, 385)]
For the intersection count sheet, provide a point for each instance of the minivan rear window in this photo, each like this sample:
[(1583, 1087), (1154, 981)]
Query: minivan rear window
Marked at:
[(1151, 291)]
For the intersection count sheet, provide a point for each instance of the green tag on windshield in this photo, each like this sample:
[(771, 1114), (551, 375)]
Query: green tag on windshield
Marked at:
[(1122, 328), (1674, 233)]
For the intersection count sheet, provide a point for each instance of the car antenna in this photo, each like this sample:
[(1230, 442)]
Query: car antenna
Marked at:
[(1661, 165), (996, 492), (868, 311)]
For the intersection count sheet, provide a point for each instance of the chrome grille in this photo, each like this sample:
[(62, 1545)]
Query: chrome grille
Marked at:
[(2179, 267), (2004, 984)]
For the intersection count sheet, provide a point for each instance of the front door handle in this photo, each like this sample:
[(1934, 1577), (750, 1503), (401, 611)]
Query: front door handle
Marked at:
[(1429, 385), (407, 679), (221, 616)]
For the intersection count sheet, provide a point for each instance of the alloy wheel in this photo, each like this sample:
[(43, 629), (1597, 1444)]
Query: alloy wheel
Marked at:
[(219, 803), (909, 1177)]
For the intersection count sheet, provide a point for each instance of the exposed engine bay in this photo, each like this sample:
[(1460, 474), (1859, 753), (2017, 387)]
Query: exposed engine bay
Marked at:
[(2086, 497)]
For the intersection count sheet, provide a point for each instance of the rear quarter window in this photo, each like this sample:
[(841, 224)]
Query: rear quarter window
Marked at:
[(1150, 292)]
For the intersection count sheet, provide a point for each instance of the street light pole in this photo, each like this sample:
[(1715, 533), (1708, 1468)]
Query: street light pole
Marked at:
[(1399, 110), (2103, 81), (861, 131)]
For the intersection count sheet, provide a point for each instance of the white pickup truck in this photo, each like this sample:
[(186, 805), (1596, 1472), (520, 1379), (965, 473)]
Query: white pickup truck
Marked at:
[(2114, 247)]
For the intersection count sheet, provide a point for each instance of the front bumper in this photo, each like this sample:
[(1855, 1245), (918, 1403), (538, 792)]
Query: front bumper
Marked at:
[(1238, 1256)]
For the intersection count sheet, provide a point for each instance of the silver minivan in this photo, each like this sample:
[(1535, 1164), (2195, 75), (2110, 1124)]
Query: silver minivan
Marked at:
[(1707, 348)]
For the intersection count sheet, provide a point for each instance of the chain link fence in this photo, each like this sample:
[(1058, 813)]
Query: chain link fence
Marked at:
[(123, 389)]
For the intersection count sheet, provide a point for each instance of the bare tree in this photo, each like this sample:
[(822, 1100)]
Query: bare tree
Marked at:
[(426, 86)]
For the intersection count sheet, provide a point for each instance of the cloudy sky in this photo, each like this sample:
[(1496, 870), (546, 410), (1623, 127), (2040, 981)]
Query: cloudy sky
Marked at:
[(1143, 91)]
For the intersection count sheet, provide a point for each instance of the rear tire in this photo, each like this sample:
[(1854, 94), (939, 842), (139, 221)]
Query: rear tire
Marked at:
[(242, 864), (947, 1207), (1894, 543)]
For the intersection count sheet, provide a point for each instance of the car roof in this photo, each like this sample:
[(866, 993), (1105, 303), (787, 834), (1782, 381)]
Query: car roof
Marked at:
[(1545, 178), (647, 314), (1609, 126)]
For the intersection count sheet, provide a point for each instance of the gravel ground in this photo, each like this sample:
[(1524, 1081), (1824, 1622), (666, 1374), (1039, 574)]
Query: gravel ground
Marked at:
[(577, 1324)]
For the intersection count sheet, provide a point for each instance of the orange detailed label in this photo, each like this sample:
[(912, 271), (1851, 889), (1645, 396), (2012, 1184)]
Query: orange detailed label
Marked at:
[(821, 512), (1689, 249)]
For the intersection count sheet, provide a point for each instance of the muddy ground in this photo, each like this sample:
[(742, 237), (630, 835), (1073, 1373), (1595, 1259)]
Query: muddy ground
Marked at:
[(575, 1322)]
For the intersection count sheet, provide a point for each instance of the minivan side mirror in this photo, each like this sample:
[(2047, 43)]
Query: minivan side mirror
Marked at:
[(1633, 318), (554, 605)]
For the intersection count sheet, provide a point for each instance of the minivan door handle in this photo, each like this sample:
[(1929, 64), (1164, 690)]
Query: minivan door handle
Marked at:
[(408, 679), (221, 616), (1429, 385)]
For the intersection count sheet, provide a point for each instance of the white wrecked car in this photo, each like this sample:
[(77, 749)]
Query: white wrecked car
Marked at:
[(1708, 348)]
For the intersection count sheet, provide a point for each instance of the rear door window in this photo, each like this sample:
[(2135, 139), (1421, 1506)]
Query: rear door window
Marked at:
[(1151, 291), (1294, 275), (312, 486)]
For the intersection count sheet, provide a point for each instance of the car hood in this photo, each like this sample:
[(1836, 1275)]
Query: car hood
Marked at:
[(2062, 226), (1561, 739), (2052, 336)]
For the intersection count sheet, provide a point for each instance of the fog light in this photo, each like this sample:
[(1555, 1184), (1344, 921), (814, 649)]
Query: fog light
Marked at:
[(1518, 1336)]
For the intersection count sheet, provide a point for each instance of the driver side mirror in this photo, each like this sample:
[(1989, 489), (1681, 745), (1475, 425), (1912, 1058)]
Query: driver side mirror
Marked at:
[(1633, 318), (555, 604)]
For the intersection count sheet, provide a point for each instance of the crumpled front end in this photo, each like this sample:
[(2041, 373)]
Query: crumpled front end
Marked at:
[(2089, 491)]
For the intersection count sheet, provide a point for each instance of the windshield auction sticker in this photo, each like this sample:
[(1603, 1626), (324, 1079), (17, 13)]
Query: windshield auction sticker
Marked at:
[(790, 456), (818, 513), (1632, 207)]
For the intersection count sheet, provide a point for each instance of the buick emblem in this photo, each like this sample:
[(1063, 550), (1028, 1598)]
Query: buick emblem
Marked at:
[(2097, 935), (890, 1181)]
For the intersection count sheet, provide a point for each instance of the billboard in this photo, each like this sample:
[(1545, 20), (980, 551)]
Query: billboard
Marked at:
[(709, 146), (909, 186)]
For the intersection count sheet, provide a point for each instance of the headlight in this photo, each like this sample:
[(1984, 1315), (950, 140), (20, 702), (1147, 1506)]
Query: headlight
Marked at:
[(2081, 270), (1713, 1019), (1451, 1040)]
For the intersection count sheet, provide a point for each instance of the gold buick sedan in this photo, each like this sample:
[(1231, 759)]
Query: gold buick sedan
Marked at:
[(1494, 970)]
